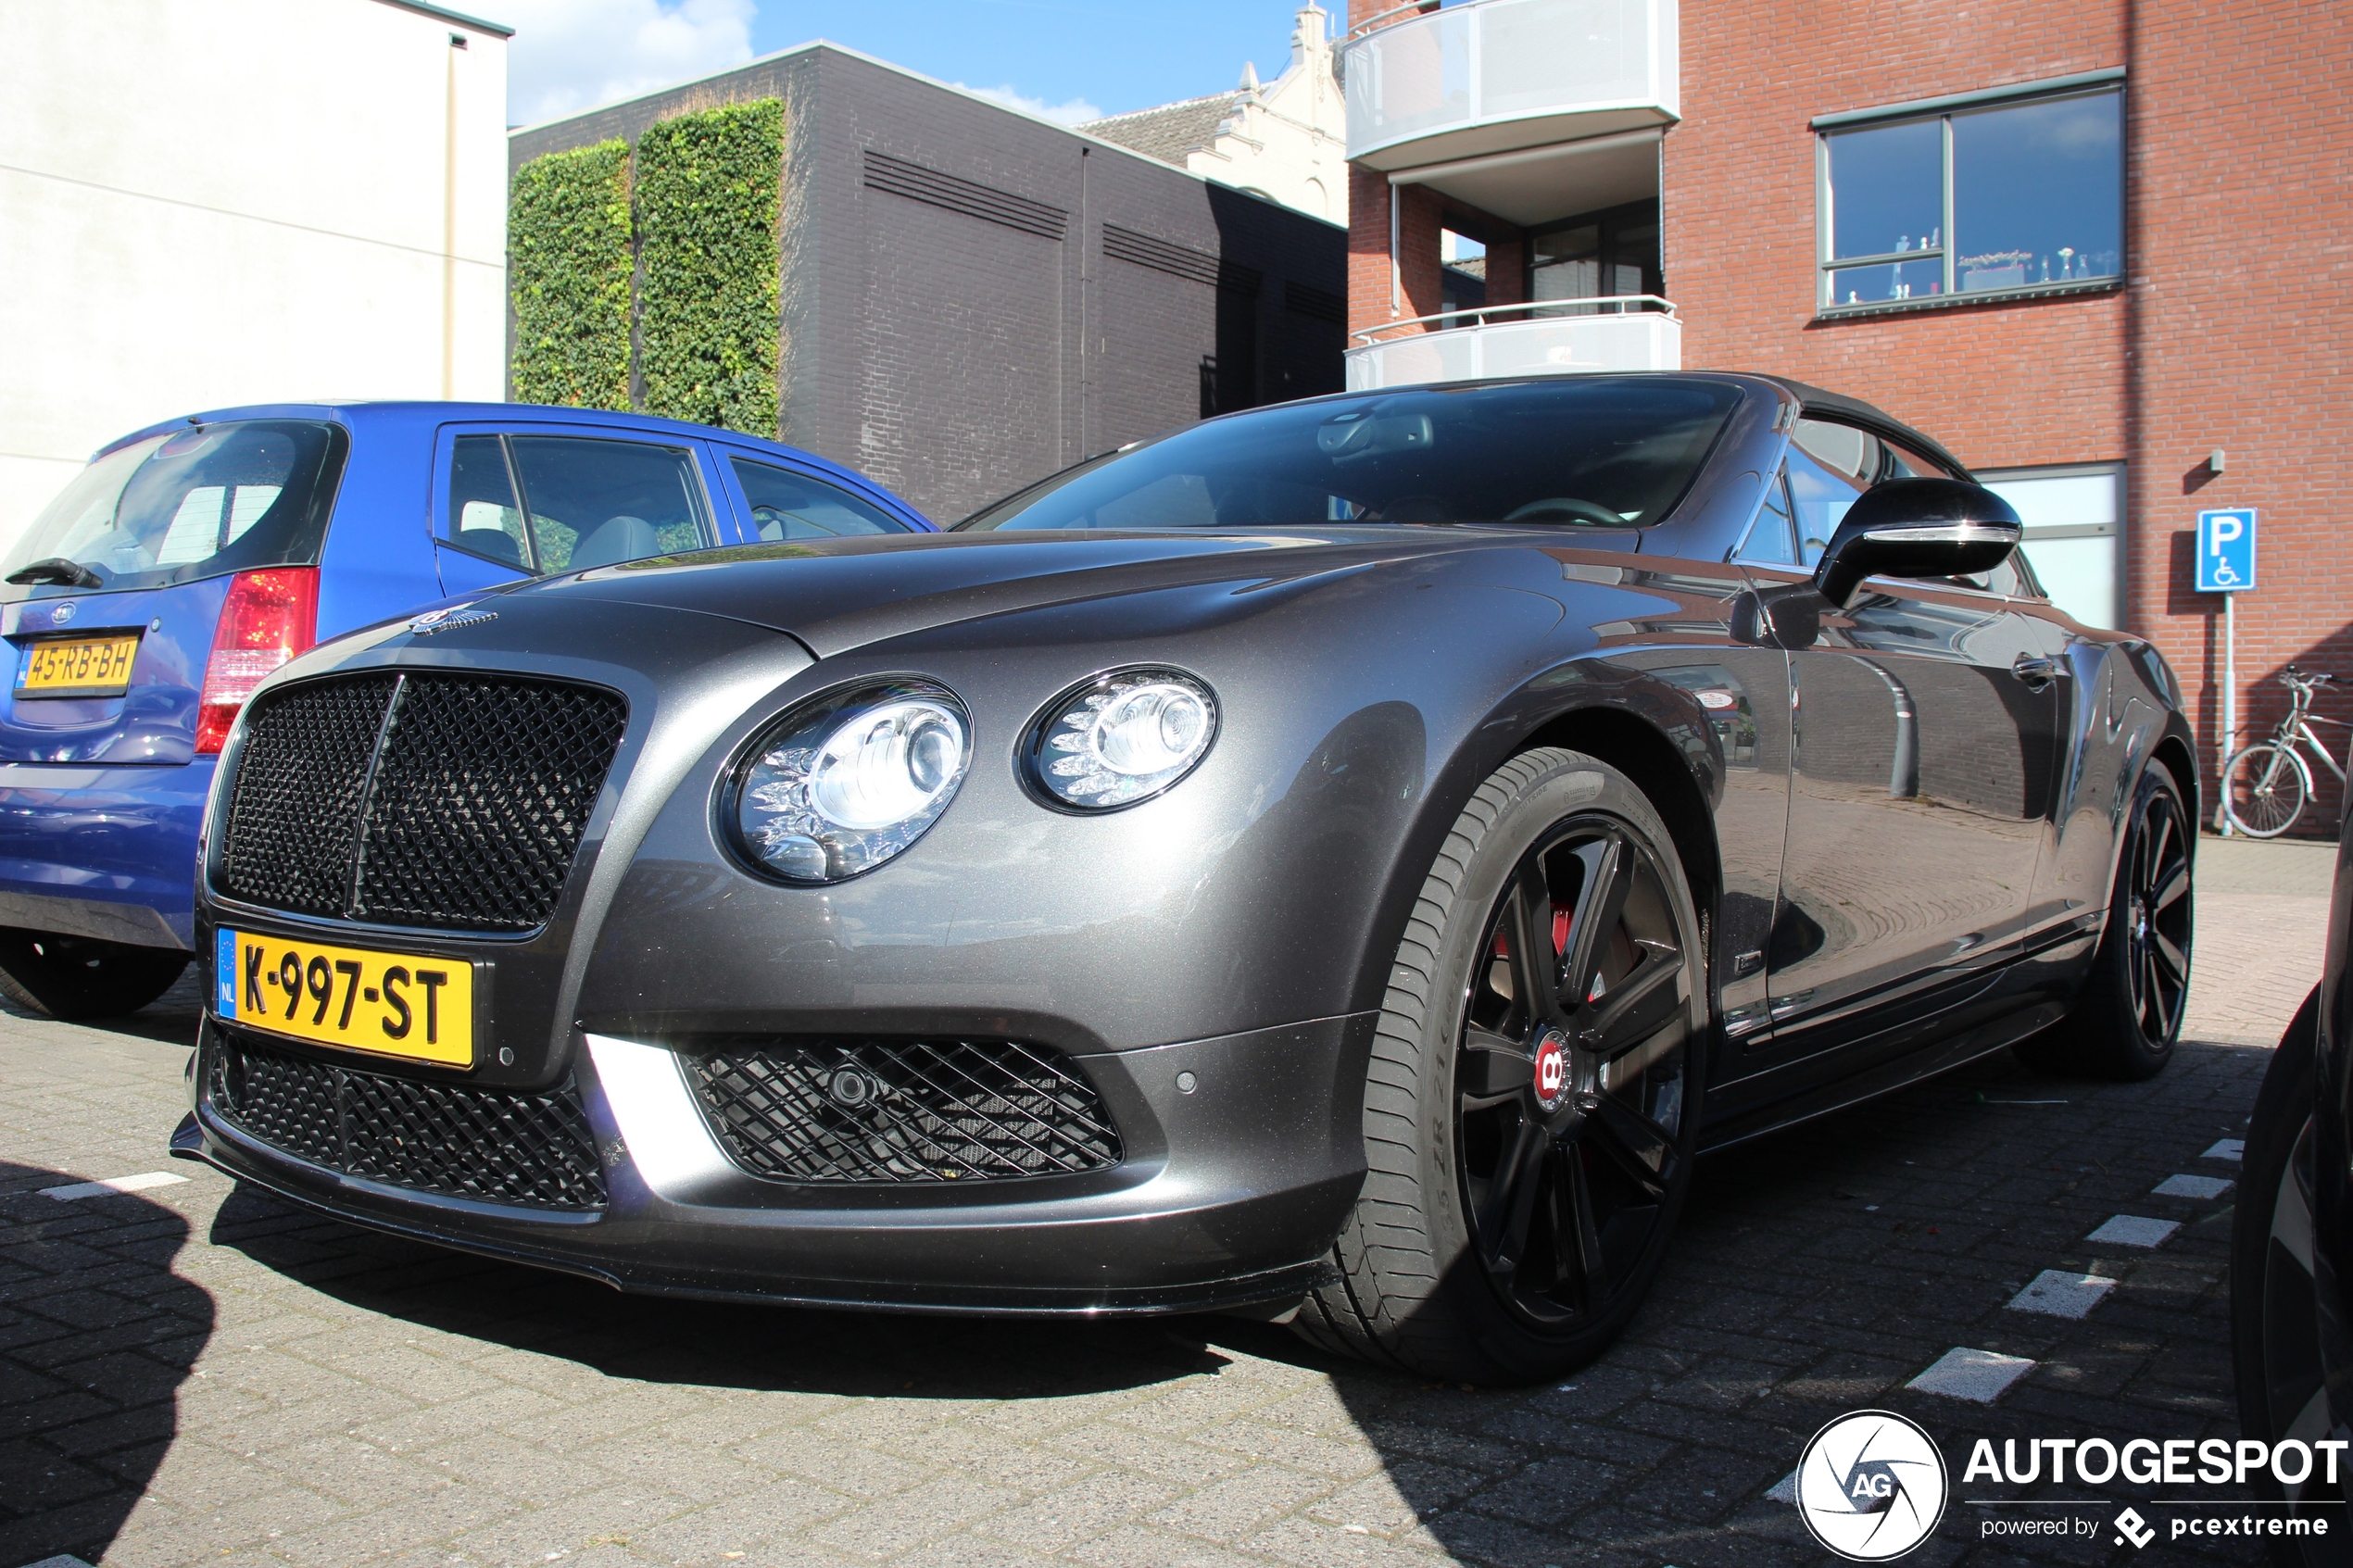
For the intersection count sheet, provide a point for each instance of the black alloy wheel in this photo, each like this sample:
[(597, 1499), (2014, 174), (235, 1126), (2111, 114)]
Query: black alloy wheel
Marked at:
[(1533, 1092), (2275, 1300), (2129, 1013), (1568, 1099), (2158, 916)]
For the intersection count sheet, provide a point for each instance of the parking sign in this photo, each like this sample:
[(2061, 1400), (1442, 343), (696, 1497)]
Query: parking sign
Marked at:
[(2226, 550)]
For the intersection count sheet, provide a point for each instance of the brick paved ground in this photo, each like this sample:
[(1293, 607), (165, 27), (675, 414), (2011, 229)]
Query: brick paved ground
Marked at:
[(196, 1373)]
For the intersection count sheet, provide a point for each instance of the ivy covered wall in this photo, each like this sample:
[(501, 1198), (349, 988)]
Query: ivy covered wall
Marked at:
[(707, 196), (692, 220), (568, 265)]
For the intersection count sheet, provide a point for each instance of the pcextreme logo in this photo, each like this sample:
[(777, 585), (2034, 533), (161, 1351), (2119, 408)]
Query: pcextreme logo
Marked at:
[(1871, 1485)]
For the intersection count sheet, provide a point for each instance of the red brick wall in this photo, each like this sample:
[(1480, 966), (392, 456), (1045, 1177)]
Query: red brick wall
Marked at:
[(2002, 386), (1421, 213), (2242, 265), (2233, 332)]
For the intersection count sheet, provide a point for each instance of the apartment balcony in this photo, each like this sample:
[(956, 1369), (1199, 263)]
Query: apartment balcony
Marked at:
[(1555, 337), (1480, 81)]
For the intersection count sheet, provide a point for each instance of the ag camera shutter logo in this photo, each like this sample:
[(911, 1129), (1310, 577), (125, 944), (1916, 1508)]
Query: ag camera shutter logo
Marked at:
[(1871, 1485)]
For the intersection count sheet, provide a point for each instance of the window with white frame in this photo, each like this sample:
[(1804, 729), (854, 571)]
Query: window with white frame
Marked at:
[(2073, 516), (1984, 194)]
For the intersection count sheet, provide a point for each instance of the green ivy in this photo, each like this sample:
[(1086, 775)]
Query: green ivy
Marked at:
[(568, 266), (710, 188)]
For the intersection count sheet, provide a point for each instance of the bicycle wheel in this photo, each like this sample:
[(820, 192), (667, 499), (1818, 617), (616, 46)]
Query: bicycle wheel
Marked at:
[(2264, 788)]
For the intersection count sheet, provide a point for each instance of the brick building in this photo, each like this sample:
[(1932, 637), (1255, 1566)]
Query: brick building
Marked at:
[(2089, 246), (973, 299)]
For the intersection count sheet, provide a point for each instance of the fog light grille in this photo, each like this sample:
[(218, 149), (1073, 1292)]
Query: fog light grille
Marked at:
[(926, 1110)]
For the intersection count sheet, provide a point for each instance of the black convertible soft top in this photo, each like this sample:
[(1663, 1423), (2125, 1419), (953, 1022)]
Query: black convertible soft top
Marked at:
[(1854, 411)]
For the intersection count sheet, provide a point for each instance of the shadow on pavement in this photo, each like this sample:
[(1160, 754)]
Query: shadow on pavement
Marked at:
[(705, 1344), (96, 1335)]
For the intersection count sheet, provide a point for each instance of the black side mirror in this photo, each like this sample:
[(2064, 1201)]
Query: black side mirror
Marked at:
[(1916, 528)]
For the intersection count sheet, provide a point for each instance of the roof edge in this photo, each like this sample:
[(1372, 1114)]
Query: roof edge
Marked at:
[(860, 55), (443, 13)]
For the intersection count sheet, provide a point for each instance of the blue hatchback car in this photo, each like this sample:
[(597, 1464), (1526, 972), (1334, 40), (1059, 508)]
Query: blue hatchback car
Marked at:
[(191, 559)]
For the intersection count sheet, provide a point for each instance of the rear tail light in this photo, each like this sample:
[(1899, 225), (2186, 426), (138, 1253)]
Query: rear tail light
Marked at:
[(270, 617)]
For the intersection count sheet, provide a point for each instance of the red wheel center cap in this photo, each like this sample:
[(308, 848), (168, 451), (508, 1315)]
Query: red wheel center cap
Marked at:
[(1552, 1071)]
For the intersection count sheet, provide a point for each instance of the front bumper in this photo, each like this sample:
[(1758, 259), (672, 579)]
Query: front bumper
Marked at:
[(104, 852), (1228, 1195)]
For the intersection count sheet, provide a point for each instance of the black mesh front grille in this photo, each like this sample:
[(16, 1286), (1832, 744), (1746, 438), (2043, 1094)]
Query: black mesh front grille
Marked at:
[(455, 802), (869, 1111), (479, 800), (501, 1145), (296, 813)]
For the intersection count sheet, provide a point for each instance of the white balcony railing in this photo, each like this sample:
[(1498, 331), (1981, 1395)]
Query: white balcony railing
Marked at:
[(1561, 337), (1499, 75)]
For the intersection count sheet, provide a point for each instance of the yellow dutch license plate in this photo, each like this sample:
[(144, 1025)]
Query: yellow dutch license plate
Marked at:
[(78, 667), (391, 1004)]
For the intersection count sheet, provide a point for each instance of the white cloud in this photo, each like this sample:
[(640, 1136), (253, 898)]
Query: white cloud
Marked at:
[(1072, 111), (570, 54)]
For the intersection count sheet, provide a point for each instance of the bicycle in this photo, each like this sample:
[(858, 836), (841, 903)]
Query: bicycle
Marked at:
[(2266, 784)]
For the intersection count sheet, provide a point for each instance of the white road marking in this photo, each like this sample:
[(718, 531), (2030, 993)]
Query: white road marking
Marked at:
[(2062, 1295), (2191, 1186), (2233, 1150), (120, 1184), (2132, 1230), (1979, 1376)]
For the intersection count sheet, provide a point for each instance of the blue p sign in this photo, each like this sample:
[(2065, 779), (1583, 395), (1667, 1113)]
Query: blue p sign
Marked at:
[(2226, 550)]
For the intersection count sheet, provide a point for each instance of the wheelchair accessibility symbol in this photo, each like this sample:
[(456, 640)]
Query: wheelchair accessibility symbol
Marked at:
[(2226, 550)]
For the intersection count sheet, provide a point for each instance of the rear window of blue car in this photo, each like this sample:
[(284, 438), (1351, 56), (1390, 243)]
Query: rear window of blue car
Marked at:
[(1589, 452), (194, 503)]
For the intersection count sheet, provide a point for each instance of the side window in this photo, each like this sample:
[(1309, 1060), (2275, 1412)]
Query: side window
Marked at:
[(1820, 497), (483, 517), (1770, 541), (785, 504), (1901, 462), (593, 502), (1852, 454)]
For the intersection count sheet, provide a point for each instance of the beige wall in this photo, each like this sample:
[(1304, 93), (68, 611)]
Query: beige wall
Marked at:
[(235, 201), (1289, 143)]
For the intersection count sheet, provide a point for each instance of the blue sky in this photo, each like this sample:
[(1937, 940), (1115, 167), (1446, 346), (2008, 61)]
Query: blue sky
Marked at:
[(1067, 58), (1119, 55)]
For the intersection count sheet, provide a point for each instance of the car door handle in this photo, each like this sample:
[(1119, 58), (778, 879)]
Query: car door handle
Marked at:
[(2036, 672)]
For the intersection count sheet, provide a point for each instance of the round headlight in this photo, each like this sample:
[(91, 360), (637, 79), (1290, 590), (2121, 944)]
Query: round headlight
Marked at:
[(1121, 738), (841, 784)]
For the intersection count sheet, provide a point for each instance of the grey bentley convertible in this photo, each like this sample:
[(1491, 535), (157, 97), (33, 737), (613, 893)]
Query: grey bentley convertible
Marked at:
[(1343, 860)]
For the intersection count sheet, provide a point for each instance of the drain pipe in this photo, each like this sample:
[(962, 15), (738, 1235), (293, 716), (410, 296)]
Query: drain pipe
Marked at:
[(1904, 773)]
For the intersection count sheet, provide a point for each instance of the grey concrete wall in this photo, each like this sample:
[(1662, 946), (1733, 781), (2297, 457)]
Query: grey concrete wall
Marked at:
[(973, 299)]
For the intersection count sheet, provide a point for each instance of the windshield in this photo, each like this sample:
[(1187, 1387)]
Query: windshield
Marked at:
[(1582, 451), (193, 503)]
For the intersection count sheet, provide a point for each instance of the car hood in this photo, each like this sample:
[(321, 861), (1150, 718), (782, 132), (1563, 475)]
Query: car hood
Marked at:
[(838, 594)]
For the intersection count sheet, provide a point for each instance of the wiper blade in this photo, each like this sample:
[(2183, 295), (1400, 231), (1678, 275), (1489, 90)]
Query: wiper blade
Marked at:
[(58, 571)]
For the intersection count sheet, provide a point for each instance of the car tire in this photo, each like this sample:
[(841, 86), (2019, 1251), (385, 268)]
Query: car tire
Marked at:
[(2124, 1023), (78, 977), (2276, 1333), (1511, 1222)]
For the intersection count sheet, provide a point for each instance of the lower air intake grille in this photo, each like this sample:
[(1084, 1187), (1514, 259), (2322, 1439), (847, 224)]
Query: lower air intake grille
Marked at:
[(500, 1146), (932, 1110)]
